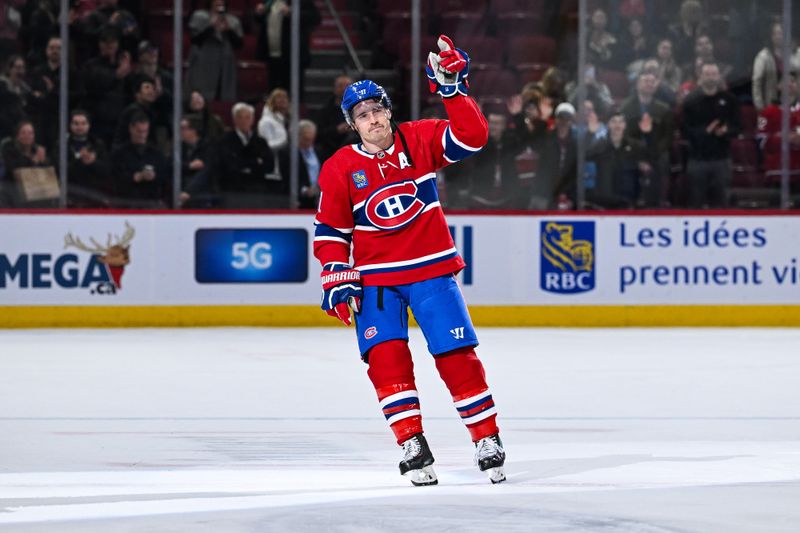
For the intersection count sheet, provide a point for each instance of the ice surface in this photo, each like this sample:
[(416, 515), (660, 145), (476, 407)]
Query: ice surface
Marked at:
[(218, 430)]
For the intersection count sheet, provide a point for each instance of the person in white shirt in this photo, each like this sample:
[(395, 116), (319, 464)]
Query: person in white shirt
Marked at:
[(274, 120)]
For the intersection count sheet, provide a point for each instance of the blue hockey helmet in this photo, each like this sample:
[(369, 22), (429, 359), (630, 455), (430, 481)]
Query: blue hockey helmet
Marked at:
[(360, 91)]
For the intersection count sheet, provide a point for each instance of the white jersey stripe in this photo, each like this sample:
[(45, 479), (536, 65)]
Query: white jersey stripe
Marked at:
[(399, 396), (402, 415), (459, 143), (483, 415), (472, 399), (408, 262), (426, 177), (335, 239)]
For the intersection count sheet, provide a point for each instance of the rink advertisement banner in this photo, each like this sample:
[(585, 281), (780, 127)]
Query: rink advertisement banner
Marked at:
[(131, 259)]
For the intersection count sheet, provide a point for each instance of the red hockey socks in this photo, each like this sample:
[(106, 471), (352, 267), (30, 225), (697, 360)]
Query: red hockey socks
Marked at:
[(391, 371), (462, 372)]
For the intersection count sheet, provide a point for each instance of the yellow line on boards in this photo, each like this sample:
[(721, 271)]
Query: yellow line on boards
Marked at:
[(483, 316)]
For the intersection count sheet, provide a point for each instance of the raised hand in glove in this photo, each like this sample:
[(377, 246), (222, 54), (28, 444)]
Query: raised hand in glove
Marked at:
[(448, 70), (341, 291)]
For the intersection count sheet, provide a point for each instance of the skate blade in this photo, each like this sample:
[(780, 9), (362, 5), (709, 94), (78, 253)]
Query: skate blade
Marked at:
[(496, 475), (423, 476)]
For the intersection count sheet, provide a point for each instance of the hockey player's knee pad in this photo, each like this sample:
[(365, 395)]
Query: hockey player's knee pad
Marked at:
[(390, 367)]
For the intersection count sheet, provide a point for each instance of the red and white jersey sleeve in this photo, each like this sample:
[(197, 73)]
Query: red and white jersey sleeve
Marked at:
[(384, 208)]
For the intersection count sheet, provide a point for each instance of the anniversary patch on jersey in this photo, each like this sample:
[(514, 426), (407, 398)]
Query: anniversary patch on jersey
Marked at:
[(360, 179), (567, 257)]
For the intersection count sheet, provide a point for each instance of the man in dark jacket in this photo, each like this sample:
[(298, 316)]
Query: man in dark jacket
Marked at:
[(650, 121), (244, 163), (104, 82), (710, 121), (333, 129), (142, 174), (616, 168), (88, 170), (495, 183), (144, 94)]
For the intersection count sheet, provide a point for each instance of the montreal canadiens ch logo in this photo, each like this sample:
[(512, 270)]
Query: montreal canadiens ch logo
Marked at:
[(394, 206)]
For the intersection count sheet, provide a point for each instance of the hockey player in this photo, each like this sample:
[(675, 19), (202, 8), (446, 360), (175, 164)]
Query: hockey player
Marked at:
[(379, 198)]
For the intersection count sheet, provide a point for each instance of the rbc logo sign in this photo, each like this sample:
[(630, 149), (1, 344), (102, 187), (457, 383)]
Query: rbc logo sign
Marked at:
[(567, 251)]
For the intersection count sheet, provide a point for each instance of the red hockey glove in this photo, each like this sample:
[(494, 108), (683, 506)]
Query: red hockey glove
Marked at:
[(341, 291), (448, 70)]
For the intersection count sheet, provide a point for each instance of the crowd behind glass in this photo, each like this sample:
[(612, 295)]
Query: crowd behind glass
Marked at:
[(681, 105)]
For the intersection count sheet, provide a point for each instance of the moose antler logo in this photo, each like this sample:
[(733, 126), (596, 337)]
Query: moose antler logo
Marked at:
[(115, 255)]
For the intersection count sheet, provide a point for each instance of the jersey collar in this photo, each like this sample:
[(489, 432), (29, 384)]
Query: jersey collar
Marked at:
[(359, 149)]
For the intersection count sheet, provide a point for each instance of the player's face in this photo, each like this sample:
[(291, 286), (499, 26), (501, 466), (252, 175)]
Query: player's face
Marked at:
[(371, 121)]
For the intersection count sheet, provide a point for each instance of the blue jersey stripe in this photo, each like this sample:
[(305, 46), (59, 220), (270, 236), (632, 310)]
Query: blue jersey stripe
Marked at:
[(453, 151), (409, 267), (323, 230), (404, 401)]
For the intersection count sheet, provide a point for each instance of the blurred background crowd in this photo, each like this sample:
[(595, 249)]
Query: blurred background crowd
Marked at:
[(681, 105)]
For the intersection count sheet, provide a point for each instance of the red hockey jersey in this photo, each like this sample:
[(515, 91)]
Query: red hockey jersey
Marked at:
[(769, 131), (386, 205)]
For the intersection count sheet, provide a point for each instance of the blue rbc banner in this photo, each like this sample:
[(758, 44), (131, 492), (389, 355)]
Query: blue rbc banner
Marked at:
[(251, 255), (567, 257)]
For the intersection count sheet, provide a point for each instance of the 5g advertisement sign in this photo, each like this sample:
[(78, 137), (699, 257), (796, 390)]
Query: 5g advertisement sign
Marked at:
[(251, 255)]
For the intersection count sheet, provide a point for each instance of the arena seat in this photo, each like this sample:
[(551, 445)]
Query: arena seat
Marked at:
[(459, 25), (482, 49), (518, 23), (493, 81), (464, 6), (748, 115), (531, 49), (252, 80)]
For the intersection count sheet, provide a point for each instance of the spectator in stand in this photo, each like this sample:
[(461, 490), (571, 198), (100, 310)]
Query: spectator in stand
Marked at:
[(10, 23), (651, 124), (142, 175), (45, 80), (274, 44), (108, 15), (684, 33), (557, 173), (704, 52), (14, 94), (39, 23), (21, 151), (617, 166), (669, 72), (595, 127), (596, 91), (710, 121), (144, 95), (105, 78), (199, 182), (770, 124), (88, 170), (333, 129), (210, 125), (528, 124), (769, 66), (147, 65), (634, 45), (553, 87), (602, 47), (691, 82), (212, 60), (274, 120), (309, 166), (495, 183), (245, 164)]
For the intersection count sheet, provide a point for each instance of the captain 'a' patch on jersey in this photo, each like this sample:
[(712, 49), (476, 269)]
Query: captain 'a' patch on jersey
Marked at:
[(397, 204)]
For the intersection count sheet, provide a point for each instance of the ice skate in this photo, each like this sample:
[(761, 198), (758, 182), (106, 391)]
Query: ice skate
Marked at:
[(490, 457), (417, 461)]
